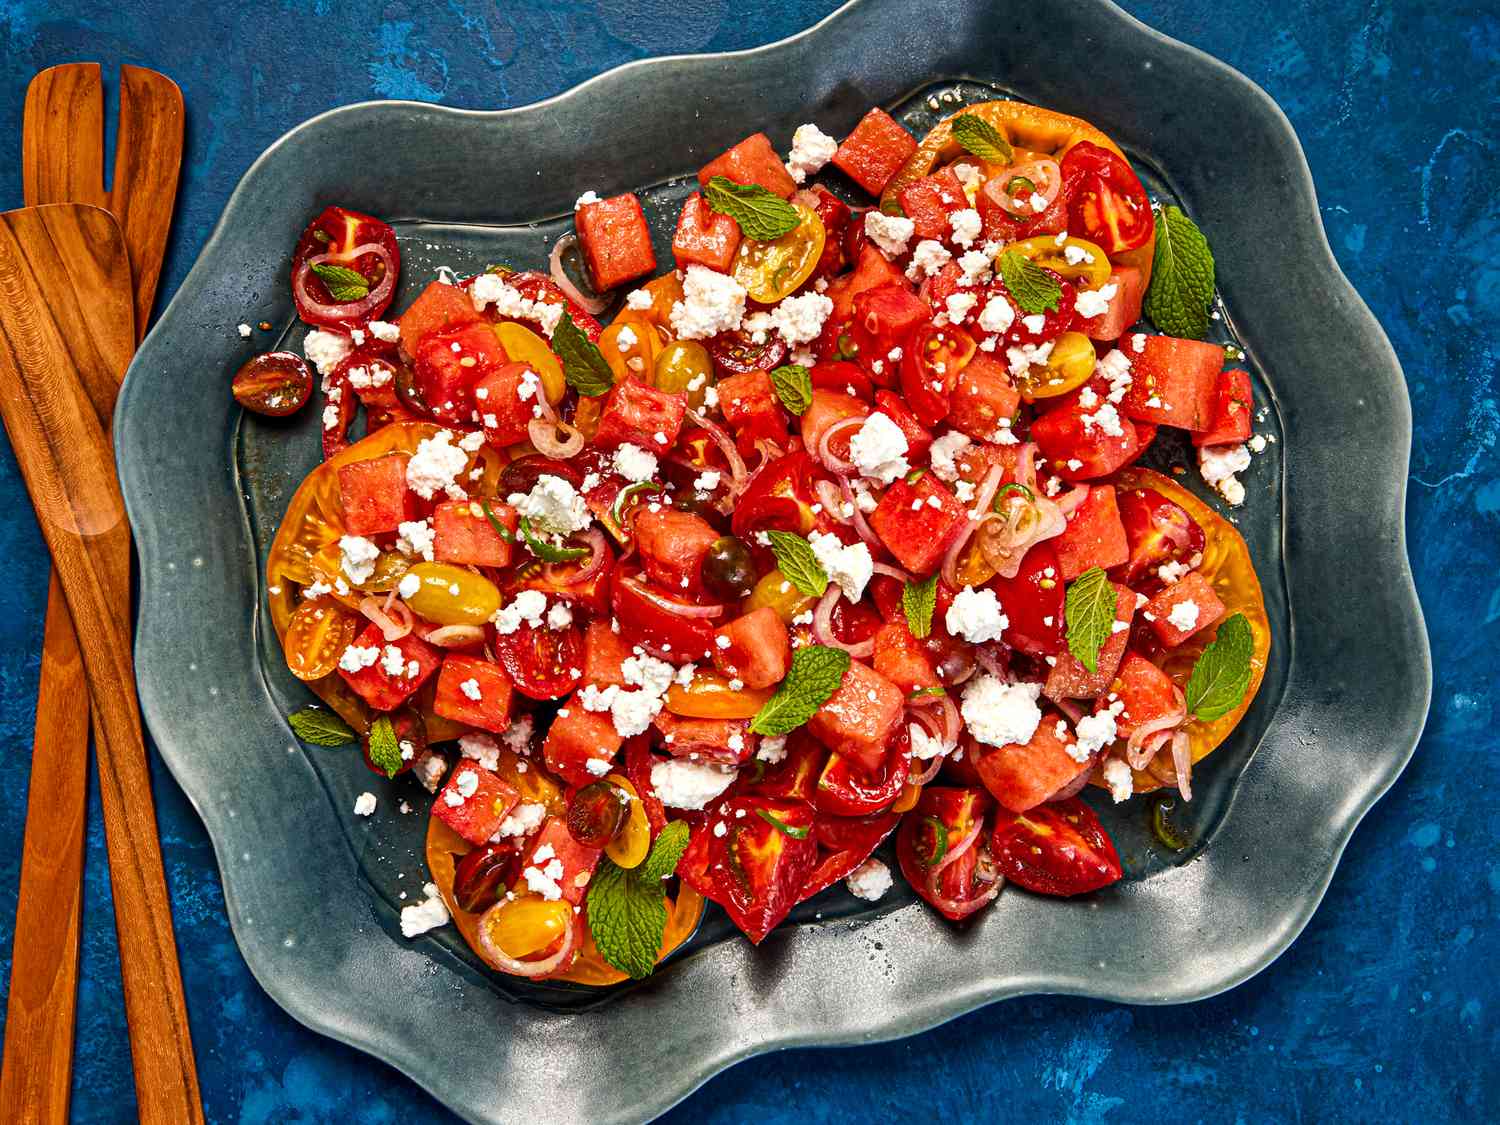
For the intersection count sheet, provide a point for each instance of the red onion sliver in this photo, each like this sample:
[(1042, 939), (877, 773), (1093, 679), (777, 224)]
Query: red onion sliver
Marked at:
[(503, 961), (739, 471), (455, 636), (555, 269), (393, 617), (822, 626), (352, 310), (825, 450), (982, 504), (599, 553), (544, 436), (1182, 761), (857, 517), (956, 850)]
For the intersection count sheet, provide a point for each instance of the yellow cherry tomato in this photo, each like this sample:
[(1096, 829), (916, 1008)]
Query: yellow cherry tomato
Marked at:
[(772, 270), (709, 696), (316, 637), (523, 345), (630, 349), (451, 595), (1068, 366), (633, 841), (684, 367), (776, 591), (527, 924), (1090, 264)]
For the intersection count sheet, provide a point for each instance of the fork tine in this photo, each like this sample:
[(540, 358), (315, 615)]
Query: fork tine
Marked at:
[(148, 157), (62, 137)]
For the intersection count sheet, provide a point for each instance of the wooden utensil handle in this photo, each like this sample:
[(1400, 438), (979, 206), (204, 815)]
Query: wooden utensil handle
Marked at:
[(39, 1018)]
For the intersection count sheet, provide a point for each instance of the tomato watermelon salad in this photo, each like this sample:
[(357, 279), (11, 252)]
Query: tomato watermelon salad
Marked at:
[(836, 532)]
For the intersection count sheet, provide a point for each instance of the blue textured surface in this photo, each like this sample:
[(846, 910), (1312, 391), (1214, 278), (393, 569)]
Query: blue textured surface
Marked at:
[(1379, 1011)]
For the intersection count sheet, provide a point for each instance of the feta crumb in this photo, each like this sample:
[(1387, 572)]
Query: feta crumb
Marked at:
[(811, 150), (385, 331), (890, 233), (634, 463), (849, 566), (800, 319), (526, 607), (1118, 777), (364, 804), (585, 199), (553, 506), (1095, 732), (712, 303), (408, 586), (426, 915), (944, 452), (357, 557), (639, 299), (415, 537), (966, 226), (523, 820), (470, 688), (325, 350), (244, 331), (976, 616), (928, 258), (1184, 616), (480, 747), (870, 880), (772, 749), (1000, 714), (435, 466), (879, 449), (1218, 464), (681, 784)]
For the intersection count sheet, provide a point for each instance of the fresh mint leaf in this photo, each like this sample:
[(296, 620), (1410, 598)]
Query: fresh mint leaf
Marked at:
[(795, 559), (793, 384), (815, 674), (344, 285), (919, 599), (385, 753), (761, 215), (665, 853), (627, 910), (1034, 289), (1182, 277), (320, 727), (982, 139), (584, 365), (1221, 675), (1090, 614)]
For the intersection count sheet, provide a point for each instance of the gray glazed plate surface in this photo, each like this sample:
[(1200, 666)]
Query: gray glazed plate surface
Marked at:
[(313, 895)]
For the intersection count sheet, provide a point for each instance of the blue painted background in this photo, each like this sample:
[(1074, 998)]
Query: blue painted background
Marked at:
[(1384, 1009)]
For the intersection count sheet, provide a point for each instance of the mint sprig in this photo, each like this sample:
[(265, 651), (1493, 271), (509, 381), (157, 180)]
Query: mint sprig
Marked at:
[(584, 365), (1034, 289), (793, 384), (815, 674), (1089, 611), (795, 560), (320, 727), (1221, 675), (385, 752), (344, 285), (919, 600), (1182, 277), (761, 215), (982, 139), (627, 910)]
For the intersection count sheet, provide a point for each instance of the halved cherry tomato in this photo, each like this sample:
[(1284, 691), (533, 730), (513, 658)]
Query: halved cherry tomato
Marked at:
[(1070, 364), (835, 215), (316, 637), (346, 240), (930, 364), (734, 353), (762, 860), (842, 376), (656, 619), (483, 875), (541, 663), (844, 789), (540, 287), (1107, 204), (795, 777), (1087, 263), (273, 383), (940, 823), (770, 271), (843, 844), (1055, 849), (779, 496), (638, 763), (1033, 602), (1158, 532)]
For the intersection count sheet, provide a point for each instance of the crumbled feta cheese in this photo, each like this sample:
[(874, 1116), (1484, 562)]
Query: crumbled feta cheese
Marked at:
[(708, 480), (357, 557), (385, 331), (632, 712), (326, 350), (1107, 418), (1184, 616), (639, 299), (244, 331), (543, 880), (960, 305), (923, 746), (392, 661), (415, 537), (429, 770), (1118, 777), (890, 233), (559, 616), (800, 319), (480, 747), (1094, 302), (1000, 714), (597, 766), (811, 150), (1218, 464), (526, 607), (772, 749), (927, 259), (426, 915), (523, 820), (966, 225), (711, 303), (997, 315), (879, 449), (634, 463), (682, 784), (493, 289), (944, 452), (364, 804), (435, 466), (976, 616), (470, 688), (870, 880), (553, 506), (1095, 732), (849, 566), (585, 199), (408, 586)]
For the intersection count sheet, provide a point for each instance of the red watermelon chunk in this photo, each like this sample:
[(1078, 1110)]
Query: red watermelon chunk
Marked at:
[(1173, 382), (1095, 535), (373, 494), (474, 802)]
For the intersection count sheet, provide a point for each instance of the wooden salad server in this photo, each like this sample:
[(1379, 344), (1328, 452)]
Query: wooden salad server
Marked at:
[(63, 161), (66, 312)]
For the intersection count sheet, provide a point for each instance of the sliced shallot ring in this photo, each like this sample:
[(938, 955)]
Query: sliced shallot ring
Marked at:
[(559, 274), (1046, 177), (598, 553), (455, 636), (856, 516), (893, 572), (825, 450), (822, 626), (351, 310), (957, 850), (982, 504), (1075, 787), (393, 617), (670, 605), (544, 436), (739, 471), (1182, 762), (1068, 502), (503, 961), (1137, 748)]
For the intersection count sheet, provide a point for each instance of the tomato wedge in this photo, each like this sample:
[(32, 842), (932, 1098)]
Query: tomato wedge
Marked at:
[(758, 867), (845, 789), (1055, 849), (930, 364), (1107, 204), (542, 663), (843, 844)]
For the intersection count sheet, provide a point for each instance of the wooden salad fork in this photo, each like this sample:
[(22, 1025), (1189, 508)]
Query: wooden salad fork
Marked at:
[(63, 161)]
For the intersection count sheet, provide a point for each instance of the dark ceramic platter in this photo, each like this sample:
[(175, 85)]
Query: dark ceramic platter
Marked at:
[(314, 895)]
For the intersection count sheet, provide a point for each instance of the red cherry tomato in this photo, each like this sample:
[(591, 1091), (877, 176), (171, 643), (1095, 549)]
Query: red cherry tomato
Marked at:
[(844, 789), (780, 496), (734, 353), (1158, 532), (345, 240), (762, 860), (541, 663), (843, 844), (795, 777), (1106, 203), (654, 619), (844, 377), (1033, 602), (1055, 849), (638, 763), (930, 364), (483, 874), (835, 215), (1054, 321), (942, 819)]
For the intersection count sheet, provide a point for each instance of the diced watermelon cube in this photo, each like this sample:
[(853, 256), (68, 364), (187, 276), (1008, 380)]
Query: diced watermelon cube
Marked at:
[(884, 318), (917, 522), (1145, 690), (1095, 535), (860, 716), (1183, 609), (450, 363), (473, 691), (749, 403), (759, 650), (1023, 775), (1173, 382), (373, 494), (639, 415), (1234, 403), (872, 269), (1069, 679), (899, 657), (673, 545), (615, 240), (604, 651), (714, 740), (871, 154), (1076, 452), (437, 307), (1124, 307), (380, 688), (578, 737), (554, 844), (704, 237), (984, 397), (474, 802), (827, 409), (461, 533), (752, 161), (929, 201), (504, 414)]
